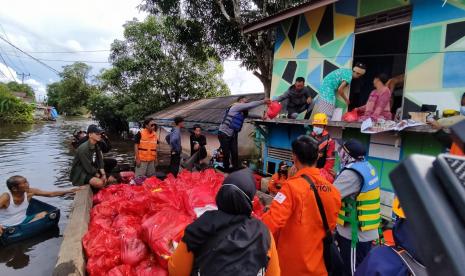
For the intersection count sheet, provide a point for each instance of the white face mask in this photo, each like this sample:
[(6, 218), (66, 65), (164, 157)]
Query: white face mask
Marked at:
[(345, 158), (462, 110), (318, 130)]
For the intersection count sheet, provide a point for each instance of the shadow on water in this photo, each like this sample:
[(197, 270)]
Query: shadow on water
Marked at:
[(42, 153)]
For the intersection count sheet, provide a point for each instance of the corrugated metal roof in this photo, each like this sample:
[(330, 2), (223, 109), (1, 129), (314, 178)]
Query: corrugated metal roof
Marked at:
[(205, 111)]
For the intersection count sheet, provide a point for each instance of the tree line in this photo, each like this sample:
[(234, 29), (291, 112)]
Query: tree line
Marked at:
[(150, 70), (175, 54)]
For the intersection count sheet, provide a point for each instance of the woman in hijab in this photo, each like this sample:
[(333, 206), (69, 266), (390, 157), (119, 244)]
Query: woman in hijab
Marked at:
[(227, 241)]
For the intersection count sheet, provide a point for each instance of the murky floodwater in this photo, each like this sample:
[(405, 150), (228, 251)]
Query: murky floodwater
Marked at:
[(42, 153)]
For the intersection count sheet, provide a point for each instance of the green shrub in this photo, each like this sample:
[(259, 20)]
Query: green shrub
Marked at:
[(13, 110)]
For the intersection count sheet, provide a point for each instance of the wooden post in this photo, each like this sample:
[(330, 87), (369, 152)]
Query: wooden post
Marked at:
[(71, 258)]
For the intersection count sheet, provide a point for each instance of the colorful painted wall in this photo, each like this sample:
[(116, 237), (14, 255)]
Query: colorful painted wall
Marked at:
[(314, 44), (436, 55), (320, 41)]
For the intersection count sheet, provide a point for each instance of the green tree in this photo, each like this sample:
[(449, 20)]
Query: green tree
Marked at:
[(18, 87), (12, 109), (152, 70), (220, 23), (71, 93)]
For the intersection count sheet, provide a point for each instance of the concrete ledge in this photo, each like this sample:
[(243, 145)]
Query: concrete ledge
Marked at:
[(71, 258)]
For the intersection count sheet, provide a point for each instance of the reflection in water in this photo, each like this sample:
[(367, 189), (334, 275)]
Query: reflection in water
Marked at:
[(16, 255), (42, 153)]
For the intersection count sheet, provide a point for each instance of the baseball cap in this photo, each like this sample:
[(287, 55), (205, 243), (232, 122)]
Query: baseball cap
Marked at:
[(94, 129), (354, 148)]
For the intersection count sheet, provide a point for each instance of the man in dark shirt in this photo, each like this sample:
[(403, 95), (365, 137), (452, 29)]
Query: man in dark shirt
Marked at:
[(299, 99), (88, 167), (104, 144), (198, 142), (175, 144)]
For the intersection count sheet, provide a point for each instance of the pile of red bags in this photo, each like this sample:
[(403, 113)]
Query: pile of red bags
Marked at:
[(134, 229)]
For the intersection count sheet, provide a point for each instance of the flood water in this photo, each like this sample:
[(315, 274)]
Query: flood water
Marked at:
[(42, 153)]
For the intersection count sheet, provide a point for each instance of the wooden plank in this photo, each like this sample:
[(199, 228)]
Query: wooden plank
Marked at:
[(71, 259)]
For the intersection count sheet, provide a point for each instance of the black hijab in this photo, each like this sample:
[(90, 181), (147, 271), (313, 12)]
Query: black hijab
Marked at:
[(249, 241)]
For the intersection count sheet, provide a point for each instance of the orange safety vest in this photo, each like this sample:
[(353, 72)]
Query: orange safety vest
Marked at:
[(456, 150), (147, 146)]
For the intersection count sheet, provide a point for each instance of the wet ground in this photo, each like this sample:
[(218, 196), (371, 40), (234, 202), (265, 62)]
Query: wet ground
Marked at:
[(42, 153)]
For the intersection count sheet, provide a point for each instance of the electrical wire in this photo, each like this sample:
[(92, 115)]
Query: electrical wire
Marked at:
[(7, 67), (23, 67), (27, 54)]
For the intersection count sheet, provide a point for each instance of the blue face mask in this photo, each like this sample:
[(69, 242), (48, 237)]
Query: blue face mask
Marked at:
[(462, 110), (318, 130)]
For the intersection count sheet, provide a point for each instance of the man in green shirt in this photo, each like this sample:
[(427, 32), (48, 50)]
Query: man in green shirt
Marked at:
[(87, 167)]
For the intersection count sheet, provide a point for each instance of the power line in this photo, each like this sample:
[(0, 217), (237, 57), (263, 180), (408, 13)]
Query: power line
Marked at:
[(23, 67), (3, 74), (62, 60), (7, 67), (68, 52), (39, 61)]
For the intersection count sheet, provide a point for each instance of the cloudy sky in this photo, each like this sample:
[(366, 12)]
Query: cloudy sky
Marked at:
[(59, 32)]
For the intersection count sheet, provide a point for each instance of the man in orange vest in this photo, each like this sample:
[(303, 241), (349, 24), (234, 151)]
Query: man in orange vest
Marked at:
[(294, 214), (145, 149)]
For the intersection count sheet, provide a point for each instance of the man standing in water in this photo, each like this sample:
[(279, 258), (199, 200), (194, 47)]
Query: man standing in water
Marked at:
[(88, 167), (14, 203)]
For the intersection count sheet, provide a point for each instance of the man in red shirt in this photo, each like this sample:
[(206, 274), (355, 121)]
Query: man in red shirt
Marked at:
[(326, 147)]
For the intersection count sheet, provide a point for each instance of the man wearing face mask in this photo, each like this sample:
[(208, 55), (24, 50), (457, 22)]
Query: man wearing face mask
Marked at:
[(326, 147), (359, 217)]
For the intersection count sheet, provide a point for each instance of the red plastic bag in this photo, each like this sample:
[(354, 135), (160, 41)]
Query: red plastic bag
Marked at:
[(99, 265), (125, 224), (273, 109), (150, 267), (258, 208), (121, 270), (161, 229), (133, 249), (258, 181), (351, 116), (126, 176)]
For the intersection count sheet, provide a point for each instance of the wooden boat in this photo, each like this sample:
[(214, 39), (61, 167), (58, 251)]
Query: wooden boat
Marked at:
[(12, 234)]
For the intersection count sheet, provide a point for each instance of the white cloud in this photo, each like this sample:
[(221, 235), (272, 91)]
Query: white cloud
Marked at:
[(74, 45), (239, 80), (39, 88), (7, 73)]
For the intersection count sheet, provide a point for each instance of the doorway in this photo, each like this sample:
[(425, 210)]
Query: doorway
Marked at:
[(383, 51)]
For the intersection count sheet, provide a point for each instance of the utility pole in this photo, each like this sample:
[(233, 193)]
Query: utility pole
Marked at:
[(23, 75)]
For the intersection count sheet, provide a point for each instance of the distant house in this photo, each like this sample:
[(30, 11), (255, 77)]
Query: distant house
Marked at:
[(208, 113), (23, 97)]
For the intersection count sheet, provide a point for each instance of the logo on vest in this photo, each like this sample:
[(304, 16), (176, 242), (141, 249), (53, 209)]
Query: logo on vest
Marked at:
[(280, 197), (373, 181)]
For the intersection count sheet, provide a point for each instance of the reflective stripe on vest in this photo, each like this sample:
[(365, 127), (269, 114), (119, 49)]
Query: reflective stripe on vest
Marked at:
[(323, 149), (147, 146), (364, 211)]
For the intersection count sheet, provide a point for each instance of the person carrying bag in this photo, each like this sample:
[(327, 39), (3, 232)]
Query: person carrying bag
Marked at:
[(331, 254)]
